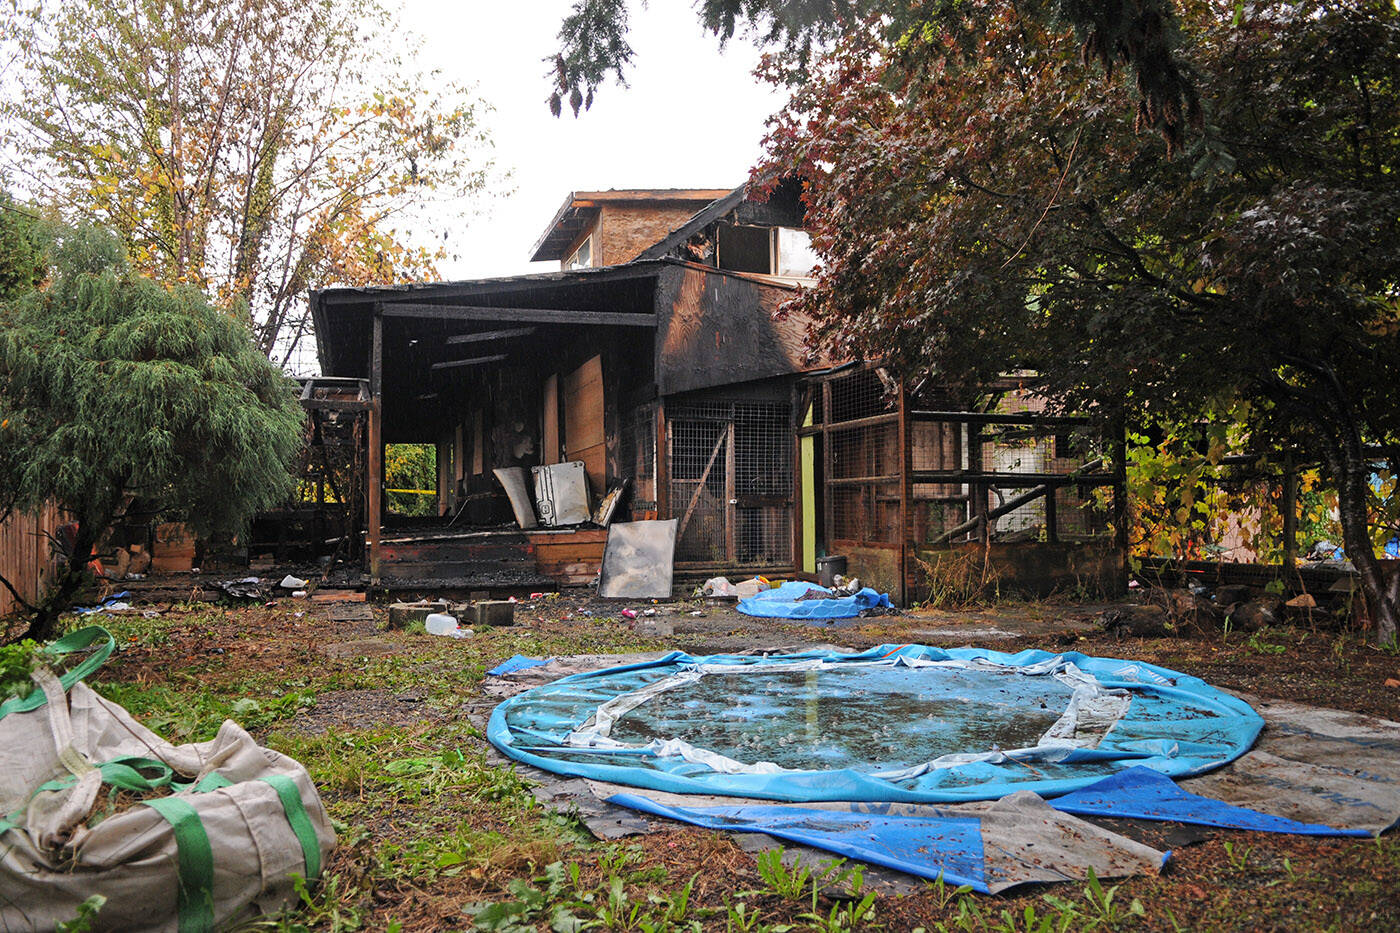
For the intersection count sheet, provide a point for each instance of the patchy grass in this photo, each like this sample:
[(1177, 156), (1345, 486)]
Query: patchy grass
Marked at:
[(433, 837)]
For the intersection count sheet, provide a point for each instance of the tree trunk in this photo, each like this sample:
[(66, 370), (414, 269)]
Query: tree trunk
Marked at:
[(1353, 472), (43, 625), (1382, 596)]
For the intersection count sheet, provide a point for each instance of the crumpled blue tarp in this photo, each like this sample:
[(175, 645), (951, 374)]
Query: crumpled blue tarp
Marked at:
[(928, 847), (784, 603), (1144, 794), (107, 603), (517, 663), (860, 726), (952, 845)]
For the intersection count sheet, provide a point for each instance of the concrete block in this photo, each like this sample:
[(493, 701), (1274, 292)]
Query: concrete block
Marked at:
[(401, 615), (495, 612)]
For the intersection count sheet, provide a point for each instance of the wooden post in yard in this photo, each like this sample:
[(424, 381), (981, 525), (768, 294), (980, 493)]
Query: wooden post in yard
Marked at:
[(1290, 518), (1121, 541), (906, 468), (375, 485)]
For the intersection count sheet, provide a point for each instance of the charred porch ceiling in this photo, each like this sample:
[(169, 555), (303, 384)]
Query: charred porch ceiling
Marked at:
[(684, 326), (434, 337)]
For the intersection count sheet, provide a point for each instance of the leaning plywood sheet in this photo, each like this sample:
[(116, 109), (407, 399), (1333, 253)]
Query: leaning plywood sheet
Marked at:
[(638, 559), (512, 479)]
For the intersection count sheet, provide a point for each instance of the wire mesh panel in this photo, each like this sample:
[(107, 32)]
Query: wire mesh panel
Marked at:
[(637, 456), (864, 468), (763, 476), (699, 486), (861, 394), (936, 507), (731, 483), (865, 484)]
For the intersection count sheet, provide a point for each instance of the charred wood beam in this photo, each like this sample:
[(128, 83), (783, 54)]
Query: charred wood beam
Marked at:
[(474, 361), (528, 315), (1009, 506), (978, 417), (889, 417), (335, 404), (490, 335), (1013, 480)]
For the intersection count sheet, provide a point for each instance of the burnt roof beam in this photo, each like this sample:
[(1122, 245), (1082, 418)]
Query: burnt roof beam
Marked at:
[(524, 315), (474, 361), (491, 335)]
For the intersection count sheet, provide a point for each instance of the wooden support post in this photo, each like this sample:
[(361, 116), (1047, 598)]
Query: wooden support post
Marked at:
[(663, 464), (795, 420), (906, 468), (828, 503), (731, 496), (1120, 499), (1290, 517), (375, 480), (1052, 518)]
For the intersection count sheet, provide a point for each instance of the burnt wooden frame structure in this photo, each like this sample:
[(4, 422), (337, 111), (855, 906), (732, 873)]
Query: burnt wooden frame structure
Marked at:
[(683, 331), (452, 312), (978, 481)]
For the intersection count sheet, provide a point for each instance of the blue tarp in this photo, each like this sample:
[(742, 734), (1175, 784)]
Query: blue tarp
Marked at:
[(784, 602), (109, 601), (903, 723), (951, 845), (517, 663), (929, 847), (1143, 794)]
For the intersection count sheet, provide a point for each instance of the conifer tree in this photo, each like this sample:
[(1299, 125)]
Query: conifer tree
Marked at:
[(114, 387)]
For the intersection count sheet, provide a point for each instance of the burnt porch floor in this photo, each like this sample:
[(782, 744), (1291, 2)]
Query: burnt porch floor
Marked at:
[(431, 557)]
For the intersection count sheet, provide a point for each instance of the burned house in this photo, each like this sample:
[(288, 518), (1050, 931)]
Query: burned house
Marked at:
[(654, 358)]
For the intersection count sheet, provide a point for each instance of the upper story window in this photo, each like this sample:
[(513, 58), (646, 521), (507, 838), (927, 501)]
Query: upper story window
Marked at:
[(783, 251), (794, 253), (582, 257)]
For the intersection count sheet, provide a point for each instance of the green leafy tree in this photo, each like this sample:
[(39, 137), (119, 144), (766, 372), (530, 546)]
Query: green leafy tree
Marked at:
[(411, 466), (252, 148), (1141, 34), (24, 243), (114, 387), (995, 207)]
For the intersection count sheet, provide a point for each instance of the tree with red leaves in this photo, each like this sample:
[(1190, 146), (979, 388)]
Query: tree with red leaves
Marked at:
[(984, 200)]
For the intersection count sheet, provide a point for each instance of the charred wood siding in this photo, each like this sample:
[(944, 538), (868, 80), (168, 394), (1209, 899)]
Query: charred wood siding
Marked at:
[(716, 329)]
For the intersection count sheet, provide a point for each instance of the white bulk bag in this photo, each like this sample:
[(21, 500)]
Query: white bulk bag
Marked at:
[(247, 820)]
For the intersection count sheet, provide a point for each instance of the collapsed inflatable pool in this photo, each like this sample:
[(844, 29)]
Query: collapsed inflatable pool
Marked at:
[(905, 723)]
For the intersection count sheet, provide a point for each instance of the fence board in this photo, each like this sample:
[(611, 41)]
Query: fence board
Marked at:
[(25, 556)]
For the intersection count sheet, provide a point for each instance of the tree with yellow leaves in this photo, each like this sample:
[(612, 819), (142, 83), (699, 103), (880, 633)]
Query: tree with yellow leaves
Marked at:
[(252, 149)]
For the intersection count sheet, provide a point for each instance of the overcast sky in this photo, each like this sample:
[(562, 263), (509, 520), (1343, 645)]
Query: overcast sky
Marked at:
[(691, 117)]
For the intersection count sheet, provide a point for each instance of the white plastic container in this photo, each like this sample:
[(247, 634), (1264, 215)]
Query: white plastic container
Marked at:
[(440, 623)]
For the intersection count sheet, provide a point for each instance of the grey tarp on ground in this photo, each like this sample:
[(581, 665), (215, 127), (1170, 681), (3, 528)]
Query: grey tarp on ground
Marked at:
[(1314, 765), (1309, 764), (53, 861)]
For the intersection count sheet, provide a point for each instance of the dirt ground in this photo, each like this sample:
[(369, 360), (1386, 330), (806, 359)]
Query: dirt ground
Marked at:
[(435, 833)]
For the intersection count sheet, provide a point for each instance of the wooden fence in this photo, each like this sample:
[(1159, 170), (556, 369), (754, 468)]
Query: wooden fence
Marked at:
[(25, 555)]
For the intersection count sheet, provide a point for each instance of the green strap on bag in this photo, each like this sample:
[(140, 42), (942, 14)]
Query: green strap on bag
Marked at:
[(298, 820), (194, 857), (81, 640)]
